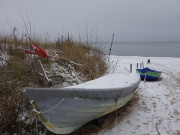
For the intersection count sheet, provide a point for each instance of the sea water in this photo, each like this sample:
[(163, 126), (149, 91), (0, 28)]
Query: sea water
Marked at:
[(146, 49)]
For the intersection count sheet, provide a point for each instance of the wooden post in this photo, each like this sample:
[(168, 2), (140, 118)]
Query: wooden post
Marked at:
[(111, 45), (130, 68), (142, 64), (137, 65)]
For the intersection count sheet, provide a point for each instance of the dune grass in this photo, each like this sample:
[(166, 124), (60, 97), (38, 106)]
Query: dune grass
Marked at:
[(20, 70)]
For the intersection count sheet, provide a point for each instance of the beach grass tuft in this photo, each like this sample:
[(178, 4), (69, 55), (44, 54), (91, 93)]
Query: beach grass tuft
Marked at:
[(19, 70)]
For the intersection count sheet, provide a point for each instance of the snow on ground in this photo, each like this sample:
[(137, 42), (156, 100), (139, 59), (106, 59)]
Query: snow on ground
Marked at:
[(155, 108)]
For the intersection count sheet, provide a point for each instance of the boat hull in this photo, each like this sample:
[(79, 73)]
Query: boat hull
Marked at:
[(81, 103), (73, 113), (149, 75)]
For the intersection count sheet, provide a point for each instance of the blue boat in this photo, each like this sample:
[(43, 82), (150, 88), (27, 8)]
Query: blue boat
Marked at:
[(149, 74)]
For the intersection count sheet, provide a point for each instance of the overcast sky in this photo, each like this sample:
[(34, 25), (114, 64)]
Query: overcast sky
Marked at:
[(130, 20)]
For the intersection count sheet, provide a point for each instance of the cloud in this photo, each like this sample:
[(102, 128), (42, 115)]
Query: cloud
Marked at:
[(129, 19)]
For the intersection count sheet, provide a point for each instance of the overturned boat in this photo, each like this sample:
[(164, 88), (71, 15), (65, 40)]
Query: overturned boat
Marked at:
[(149, 74), (64, 110)]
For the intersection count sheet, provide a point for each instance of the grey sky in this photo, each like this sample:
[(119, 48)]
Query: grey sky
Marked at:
[(130, 20)]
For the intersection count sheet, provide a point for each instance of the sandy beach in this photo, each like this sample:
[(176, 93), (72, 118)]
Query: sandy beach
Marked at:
[(155, 108)]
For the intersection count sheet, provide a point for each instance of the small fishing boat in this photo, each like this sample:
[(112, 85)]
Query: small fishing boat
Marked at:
[(149, 74), (64, 110)]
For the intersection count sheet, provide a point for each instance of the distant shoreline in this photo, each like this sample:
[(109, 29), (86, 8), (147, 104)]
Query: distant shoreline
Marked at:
[(144, 49)]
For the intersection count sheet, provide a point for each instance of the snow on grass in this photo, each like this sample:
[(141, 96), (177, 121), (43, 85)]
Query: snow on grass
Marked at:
[(155, 108)]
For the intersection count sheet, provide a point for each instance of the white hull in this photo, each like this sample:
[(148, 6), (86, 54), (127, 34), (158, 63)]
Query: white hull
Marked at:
[(82, 103), (74, 113)]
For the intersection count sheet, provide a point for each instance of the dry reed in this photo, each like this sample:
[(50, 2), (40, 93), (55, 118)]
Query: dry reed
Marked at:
[(19, 70)]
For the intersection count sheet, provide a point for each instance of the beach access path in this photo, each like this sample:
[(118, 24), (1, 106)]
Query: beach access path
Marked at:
[(155, 108)]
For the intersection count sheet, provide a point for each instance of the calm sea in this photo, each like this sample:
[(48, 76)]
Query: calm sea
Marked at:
[(147, 49)]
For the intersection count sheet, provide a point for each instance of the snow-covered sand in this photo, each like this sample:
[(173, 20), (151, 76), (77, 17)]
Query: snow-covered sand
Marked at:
[(155, 108)]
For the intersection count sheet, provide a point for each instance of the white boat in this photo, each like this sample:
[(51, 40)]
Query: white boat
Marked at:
[(64, 110)]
